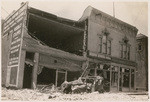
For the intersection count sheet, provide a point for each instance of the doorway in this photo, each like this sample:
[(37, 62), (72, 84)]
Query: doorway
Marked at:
[(124, 79), (27, 79)]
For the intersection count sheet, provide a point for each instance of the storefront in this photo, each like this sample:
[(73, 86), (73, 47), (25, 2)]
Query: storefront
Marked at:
[(117, 77)]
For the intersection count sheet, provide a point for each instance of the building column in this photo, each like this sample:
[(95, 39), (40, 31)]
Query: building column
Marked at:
[(35, 69), (130, 80), (110, 76), (135, 79), (56, 78), (20, 75), (8, 76), (118, 78)]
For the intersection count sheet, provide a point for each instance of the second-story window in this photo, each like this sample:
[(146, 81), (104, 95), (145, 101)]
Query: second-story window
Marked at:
[(125, 49), (128, 52), (100, 44), (139, 47), (121, 50), (109, 47), (105, 43)]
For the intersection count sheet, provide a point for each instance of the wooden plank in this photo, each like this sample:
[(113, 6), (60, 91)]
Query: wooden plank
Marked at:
[(35, 69), (60, 67)]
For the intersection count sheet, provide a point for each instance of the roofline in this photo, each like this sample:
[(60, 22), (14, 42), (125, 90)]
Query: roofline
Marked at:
[(105, 14)]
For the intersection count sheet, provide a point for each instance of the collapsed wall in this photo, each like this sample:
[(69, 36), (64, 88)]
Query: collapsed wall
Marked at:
[(56, 32)]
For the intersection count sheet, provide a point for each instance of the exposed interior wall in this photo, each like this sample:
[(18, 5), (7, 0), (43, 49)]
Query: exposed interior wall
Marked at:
[(55, 34), (73, 44)]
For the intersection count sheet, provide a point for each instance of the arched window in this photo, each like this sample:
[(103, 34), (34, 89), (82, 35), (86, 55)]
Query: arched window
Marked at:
[(125, 48), (105, 42)]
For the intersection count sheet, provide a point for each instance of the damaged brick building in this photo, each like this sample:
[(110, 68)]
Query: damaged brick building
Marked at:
[(43, 48)]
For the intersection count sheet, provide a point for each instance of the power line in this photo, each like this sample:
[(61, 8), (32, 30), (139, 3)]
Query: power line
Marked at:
[(113, 9)]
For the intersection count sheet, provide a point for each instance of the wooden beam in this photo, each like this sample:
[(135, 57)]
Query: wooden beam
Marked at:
[(35, 69), (71, 68), (34, 47)]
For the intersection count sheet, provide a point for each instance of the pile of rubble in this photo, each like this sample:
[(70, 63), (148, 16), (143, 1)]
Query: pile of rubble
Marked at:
[(71, 91), (36, 95)]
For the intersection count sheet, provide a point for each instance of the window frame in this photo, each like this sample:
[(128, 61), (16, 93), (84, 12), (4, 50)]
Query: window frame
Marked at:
[(125, 50)]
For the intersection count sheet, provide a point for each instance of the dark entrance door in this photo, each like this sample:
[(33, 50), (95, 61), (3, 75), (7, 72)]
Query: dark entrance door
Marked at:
[(124, 79), (27, 76)]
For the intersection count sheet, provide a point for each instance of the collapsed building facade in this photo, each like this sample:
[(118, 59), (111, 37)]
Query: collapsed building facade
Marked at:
[(39, 48)]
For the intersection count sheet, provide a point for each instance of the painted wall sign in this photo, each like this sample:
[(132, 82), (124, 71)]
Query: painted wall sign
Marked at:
[(14, 25)]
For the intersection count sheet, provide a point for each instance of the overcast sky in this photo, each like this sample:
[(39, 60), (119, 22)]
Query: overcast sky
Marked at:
[(134, 13)]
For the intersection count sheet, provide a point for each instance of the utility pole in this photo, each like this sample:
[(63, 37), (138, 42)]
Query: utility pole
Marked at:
[(113, 9)]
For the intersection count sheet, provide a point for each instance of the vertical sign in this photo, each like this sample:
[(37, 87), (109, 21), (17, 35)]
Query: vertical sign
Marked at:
[(14, 25)]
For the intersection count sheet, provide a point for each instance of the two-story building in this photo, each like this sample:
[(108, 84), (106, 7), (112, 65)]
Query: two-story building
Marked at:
[(41, 48), (111, 47)]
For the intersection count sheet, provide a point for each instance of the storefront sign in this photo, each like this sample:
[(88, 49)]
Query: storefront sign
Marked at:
[(14, 25)]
